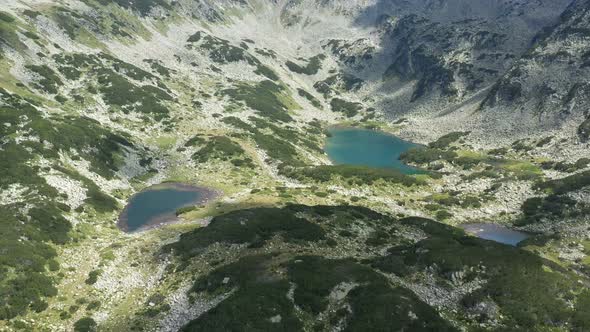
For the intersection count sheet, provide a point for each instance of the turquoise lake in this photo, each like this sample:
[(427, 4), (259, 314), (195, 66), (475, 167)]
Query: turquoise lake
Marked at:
[(497, 233), (363, 147), (157, 205)]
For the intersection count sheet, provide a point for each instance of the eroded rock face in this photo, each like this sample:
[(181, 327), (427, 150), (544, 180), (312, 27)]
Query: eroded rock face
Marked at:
[(549, 81)]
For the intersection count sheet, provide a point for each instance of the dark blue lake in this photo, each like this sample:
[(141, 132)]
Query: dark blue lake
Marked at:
[(363, 147), (157, 205), (496, 233)]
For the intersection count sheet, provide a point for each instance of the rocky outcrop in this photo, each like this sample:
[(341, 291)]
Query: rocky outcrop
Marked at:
[(549, 83)]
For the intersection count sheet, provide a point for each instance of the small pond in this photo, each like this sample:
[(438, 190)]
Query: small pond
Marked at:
[(496, 233), (157, 205), (364, 147)]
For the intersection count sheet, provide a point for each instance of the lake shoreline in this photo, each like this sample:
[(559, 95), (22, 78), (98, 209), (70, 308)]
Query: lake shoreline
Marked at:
[(205, 195), (357, 146)]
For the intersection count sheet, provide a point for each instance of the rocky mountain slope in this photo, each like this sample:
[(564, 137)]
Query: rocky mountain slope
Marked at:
[(547, 87), (99, 99)]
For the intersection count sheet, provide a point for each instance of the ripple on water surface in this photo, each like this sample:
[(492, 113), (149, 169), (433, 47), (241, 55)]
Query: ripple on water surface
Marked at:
[(158, 204)]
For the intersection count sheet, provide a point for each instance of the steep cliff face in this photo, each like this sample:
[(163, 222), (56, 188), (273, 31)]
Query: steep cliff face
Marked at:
[(550, 81)]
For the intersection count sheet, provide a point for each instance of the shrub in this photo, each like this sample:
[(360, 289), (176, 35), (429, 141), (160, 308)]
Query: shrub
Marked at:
[(536, 209), (446, 140), (443, 215), (219, 147), (350, 109), (426, 155), (313, 100), (49, 81), (567, 184), (85, 324), (524, 278), (266, 72), (249, 226), (264, 98), (6, 17), (185, 209), (313, 65), (356, 174), (93, 277), (93, 305)]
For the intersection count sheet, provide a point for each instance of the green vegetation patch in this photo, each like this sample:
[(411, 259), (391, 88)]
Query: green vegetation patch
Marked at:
[(253, 226), (278, 145), (314, 64), (266, 98), (340, 82), (24, 284), (524, 278), (119, 91), (350, 109), (219, 147), (86, 324), (357, 175), (446, 140), (426, 155), (49, 81), (221, 50), (260, 301), (566, 185), (313, 100), (374, 304), (557, 205), (101, 202), (159, 68), (100, 146), (142, 6), (294, 283), (266, 72), (6, 17), (552, 207)]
